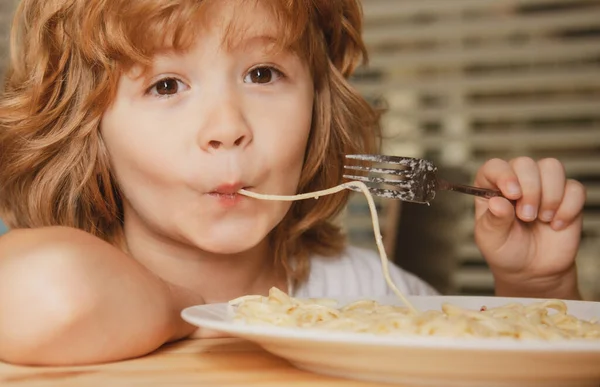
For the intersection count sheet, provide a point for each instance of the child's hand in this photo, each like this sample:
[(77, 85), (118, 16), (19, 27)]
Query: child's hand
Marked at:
[(530, 247)]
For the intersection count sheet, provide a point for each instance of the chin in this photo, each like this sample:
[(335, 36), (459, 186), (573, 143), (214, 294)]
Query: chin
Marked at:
[(225, 249), (227, 237), (235, 244)]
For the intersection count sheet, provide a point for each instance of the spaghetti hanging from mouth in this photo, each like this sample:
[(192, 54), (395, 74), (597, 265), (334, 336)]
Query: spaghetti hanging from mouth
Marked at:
[(374, 217)]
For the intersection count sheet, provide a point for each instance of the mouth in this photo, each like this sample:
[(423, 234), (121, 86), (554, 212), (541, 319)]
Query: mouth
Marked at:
[(228, 191)]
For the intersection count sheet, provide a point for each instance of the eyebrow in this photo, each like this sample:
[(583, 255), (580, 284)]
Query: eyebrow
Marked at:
[(252, 40)]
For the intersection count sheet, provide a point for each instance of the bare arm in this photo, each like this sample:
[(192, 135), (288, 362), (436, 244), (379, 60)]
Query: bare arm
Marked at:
[(67, 297)]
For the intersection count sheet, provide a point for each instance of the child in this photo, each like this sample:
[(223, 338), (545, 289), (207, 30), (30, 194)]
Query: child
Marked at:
[(126, 129)]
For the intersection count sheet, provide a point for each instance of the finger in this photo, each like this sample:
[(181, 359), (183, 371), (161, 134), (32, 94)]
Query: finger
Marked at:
[(571, 206), (500, 213), (496, 173), (494, 225), (528, 174), (553, 182)]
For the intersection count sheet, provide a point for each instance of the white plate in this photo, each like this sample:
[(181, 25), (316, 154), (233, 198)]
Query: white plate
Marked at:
[(424, 361)]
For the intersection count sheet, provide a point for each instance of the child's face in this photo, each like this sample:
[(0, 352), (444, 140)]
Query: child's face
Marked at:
[(211, 119)]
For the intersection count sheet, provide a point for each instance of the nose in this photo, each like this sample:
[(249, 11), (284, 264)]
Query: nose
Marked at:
[(225, 126)]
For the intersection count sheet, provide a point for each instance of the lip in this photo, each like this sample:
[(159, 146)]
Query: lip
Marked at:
[(226, 194), (228, 189)]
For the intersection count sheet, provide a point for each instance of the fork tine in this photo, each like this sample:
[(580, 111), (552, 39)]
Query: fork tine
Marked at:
[(387, 171), (408, 161), (406, 196), (380, 180)]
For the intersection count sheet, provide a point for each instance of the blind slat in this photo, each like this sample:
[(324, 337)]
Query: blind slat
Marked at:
[(516, 110), (385, 9), (453, 29), (584, 76), (574, 165), (556, 139), (530, 52)]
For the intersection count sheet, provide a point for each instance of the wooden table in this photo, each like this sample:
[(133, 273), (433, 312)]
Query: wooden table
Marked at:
[(202, 362)]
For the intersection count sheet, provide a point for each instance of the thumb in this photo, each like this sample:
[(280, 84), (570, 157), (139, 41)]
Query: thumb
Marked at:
[(494, 219)]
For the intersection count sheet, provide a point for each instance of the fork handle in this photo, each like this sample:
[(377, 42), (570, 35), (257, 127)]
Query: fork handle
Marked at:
[(470, 190)]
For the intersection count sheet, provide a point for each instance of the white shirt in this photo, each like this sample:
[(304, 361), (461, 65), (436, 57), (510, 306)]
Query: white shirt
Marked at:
[(356, 272)]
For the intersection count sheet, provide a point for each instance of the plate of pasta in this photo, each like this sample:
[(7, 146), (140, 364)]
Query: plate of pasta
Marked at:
[(449, 341)]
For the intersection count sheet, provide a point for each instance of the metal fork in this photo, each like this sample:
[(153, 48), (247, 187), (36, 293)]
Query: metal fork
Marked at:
[(414, 180)]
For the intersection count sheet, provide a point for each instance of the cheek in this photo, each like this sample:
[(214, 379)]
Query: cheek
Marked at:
[(289, 128), (297, 141), (139, 153)]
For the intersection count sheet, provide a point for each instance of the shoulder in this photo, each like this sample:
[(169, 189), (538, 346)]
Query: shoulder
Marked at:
[(61, 274), (356, 272), (57, 253), (50, 240)]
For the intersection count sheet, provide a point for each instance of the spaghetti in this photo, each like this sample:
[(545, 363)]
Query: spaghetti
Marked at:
[(545, 320)]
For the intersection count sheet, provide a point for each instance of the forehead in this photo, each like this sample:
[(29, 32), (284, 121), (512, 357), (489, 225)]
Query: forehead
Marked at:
[(149, 27), (240, 24)]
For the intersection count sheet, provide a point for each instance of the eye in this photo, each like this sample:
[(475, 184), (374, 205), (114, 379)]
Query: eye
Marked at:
[(166, 87), (263, 75)]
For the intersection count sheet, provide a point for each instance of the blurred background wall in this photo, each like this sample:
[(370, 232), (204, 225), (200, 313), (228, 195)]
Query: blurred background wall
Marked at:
[(468, 80), (465, 81)]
